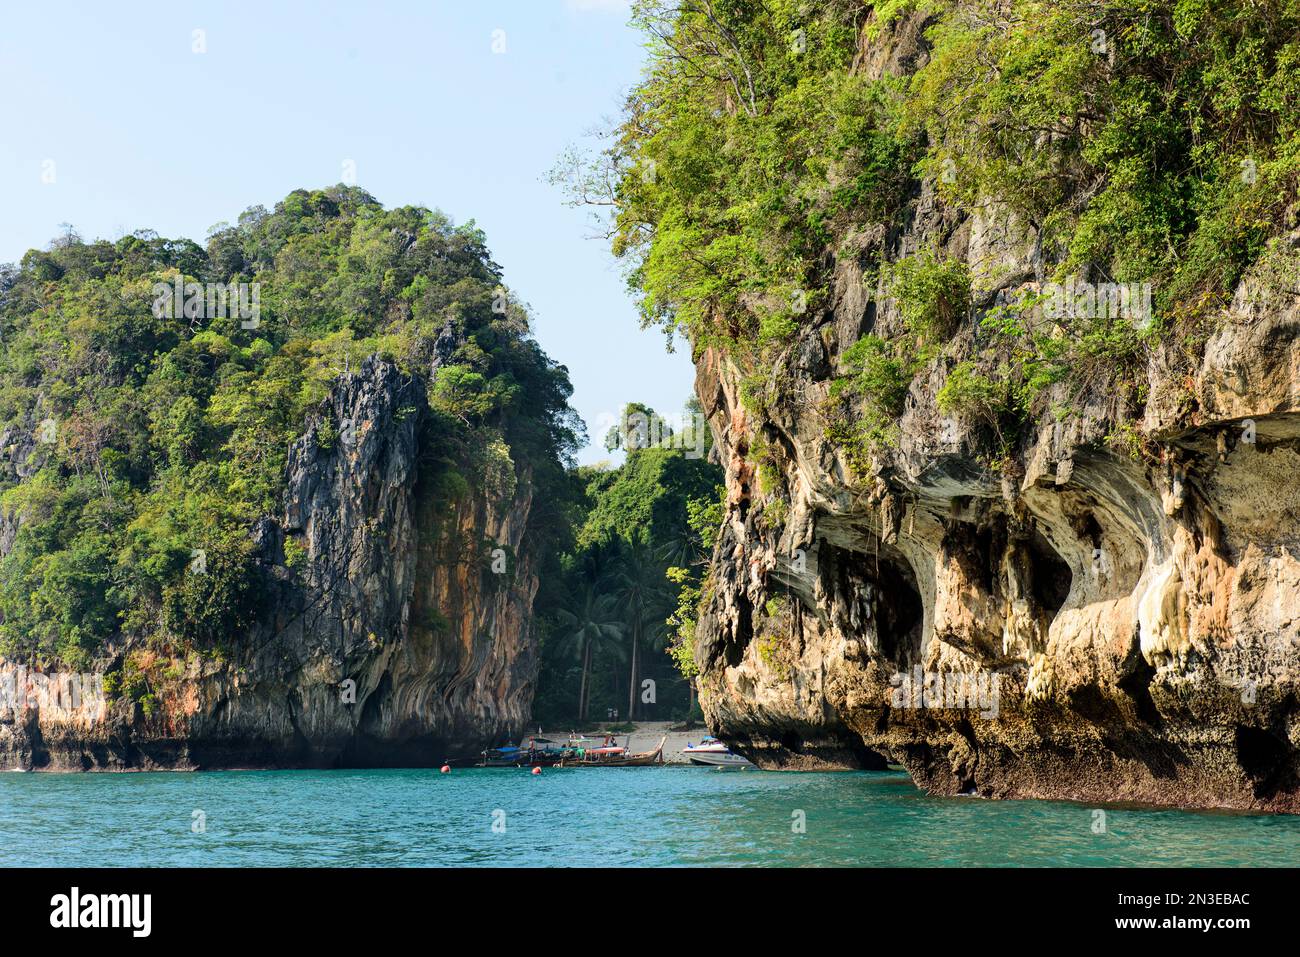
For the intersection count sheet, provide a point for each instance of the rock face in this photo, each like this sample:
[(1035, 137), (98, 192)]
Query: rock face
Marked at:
[(1080, 623), (395, 632)]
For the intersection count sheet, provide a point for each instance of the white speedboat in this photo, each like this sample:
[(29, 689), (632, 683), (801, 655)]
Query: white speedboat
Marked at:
[(713, 753)]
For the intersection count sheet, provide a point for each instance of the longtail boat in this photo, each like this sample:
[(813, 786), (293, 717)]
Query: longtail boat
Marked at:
[(538, 753), (614, 757), (580, 752), (507, 757)]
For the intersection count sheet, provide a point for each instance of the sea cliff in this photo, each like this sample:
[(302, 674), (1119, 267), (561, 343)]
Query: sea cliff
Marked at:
[(1003, 374), (341, 571)]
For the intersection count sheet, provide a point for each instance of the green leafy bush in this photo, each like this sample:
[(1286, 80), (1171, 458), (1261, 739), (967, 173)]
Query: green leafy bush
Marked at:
[(933, 294)]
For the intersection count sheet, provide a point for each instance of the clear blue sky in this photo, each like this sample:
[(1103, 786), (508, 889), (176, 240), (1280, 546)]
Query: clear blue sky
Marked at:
[(145, 133)]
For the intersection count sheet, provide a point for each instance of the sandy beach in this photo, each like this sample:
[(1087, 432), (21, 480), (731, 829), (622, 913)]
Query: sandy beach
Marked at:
[(646, 738)]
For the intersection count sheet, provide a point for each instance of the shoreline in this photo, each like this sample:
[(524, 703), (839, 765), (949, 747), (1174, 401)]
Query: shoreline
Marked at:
[(644, 738)]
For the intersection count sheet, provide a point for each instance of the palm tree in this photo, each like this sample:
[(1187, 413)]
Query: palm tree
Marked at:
[(640, 589), (592, 621), (680, 549)]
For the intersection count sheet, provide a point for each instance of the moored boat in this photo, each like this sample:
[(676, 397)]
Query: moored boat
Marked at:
[(579, 752), (544, 752), (539, 752), (504, 757), (612, 756), (711, 752)]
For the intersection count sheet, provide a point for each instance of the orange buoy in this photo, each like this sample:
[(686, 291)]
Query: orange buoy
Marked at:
[(446, 769), (537, 770)]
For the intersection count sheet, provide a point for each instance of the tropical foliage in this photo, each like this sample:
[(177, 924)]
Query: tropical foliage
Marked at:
[(1138, 141), (139, 440), (626, 591)]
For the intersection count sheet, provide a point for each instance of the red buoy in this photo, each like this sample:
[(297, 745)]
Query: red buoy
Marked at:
[(446, 769), (537, 770)]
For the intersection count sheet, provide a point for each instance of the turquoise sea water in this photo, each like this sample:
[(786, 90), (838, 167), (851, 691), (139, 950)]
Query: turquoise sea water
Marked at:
[(587, 816)]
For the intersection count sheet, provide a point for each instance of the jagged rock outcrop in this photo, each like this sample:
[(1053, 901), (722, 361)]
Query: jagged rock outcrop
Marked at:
[(1141, 620), (395, 631), (1078, 623)]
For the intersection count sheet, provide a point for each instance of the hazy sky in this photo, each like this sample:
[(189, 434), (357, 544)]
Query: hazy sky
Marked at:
[(143, 132)]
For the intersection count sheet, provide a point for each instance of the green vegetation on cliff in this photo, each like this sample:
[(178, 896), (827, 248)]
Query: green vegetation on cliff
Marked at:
[(748, 151), (137, 436), (1148, 142)]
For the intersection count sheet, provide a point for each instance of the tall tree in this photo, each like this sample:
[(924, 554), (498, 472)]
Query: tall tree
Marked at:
[(640, 589), (590, 624)]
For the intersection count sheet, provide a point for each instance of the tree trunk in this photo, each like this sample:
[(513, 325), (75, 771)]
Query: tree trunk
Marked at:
[(582, 688), (631, 689)]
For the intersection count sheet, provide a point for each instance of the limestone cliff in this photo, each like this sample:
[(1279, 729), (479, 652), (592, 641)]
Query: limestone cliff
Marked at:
[(397, 635), (1080, 621)]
